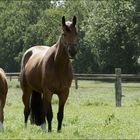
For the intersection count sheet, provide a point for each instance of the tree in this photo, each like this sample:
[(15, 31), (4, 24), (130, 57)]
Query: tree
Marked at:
[(16, 20), (111, 30), (108, 32)]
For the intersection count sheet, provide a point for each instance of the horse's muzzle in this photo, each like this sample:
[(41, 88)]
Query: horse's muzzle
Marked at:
[(72, 54)]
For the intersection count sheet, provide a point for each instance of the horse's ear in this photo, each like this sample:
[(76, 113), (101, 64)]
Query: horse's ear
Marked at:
[(74, 20), (63, 21)]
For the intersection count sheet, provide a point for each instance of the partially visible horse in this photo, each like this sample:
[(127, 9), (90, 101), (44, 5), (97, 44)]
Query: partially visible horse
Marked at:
[(3, 94), (46, 71)]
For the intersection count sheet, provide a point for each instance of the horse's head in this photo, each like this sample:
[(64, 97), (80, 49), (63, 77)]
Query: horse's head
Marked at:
[(69, 36)]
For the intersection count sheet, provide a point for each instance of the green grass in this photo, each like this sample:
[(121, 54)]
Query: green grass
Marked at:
[(90, 113)]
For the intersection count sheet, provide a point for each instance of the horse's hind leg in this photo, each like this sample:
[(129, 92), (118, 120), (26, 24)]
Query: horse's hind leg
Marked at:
[(26, 102), (2, 104), (62, 100), (1, 113)]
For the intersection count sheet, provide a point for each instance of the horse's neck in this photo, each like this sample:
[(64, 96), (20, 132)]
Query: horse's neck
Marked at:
[(61, 55)]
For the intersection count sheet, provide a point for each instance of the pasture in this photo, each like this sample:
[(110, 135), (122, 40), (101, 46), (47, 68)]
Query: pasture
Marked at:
[(90, 113)]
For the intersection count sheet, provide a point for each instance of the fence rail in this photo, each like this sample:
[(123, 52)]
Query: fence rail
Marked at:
[(15, 75), (77, 77), (106, 76), (117, 78)]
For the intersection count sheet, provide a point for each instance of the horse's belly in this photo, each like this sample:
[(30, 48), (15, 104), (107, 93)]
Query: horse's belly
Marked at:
[(35, 85), (34, 81), (57, 86), (33, 77)]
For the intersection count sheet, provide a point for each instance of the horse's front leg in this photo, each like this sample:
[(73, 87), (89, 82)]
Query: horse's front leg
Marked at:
[(47, 97), (62, 100), (49, 117)]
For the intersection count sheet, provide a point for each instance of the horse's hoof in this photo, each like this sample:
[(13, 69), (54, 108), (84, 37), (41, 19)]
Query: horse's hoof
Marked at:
[(49, 131), (43, 126), (1, 127), (1, 130), (59, 131), (25, 126)]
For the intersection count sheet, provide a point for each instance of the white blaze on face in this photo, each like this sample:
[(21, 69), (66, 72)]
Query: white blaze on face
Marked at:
[(1, 127)]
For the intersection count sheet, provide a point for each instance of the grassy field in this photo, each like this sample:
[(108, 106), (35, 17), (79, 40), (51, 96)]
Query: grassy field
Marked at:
[(90, 113)]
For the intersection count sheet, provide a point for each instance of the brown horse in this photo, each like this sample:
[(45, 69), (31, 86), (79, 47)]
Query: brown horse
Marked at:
[(46, 71), (3, 94)]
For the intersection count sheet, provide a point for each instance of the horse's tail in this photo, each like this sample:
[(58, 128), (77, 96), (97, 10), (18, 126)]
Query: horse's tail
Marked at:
[(37, 115)]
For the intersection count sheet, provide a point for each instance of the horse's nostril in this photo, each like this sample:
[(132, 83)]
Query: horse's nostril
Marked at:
[(73, 53)]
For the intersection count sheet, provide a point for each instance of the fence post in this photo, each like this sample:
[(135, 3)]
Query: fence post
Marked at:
[(118, 87), (76, 82)]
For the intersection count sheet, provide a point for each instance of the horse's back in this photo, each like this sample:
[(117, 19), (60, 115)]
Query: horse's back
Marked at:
[(30, 52)]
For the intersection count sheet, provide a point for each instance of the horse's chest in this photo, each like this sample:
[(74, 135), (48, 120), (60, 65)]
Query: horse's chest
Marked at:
[(59, 82)]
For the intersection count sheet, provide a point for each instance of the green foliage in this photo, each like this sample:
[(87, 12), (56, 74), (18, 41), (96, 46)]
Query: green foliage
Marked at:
[(111, 30), (18, 30), (108, 32)]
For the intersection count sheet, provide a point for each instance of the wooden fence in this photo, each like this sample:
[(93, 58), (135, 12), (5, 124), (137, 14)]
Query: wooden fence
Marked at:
[(13, 75), (117, 78)]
